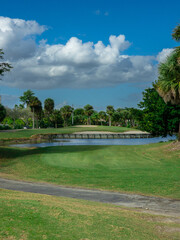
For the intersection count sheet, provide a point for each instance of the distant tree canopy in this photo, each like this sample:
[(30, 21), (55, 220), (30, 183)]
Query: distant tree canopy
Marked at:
[(88, 110), (110, 111), (27, 97), (2, 112), (4, 66), (49, 105), (156, 116), (66, 112)]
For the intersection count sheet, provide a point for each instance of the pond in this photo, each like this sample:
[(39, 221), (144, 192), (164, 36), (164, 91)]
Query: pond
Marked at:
[(75, 142)]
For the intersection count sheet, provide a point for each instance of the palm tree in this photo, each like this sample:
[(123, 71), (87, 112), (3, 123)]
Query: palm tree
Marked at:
[(176, 33), (102, 116), (66, 112), (26, 98), (49, 108), (110, 111), (36, 108), (176, 37), (168, 83), (88, 110)]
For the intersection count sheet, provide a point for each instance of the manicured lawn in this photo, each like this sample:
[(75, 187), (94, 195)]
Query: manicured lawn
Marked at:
[(148, 169), (34, 216), (30, 132)]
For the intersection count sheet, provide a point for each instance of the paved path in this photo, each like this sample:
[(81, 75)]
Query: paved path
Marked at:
[(148, 204)]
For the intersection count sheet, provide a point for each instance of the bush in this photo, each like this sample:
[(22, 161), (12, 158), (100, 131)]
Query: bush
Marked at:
[(5, 127)]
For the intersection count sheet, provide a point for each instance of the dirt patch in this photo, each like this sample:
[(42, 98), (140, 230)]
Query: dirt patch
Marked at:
[(174, 146)]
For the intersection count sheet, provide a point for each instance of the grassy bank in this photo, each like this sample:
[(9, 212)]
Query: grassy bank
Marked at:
[(30, 132), (34, 216), (149, 169)]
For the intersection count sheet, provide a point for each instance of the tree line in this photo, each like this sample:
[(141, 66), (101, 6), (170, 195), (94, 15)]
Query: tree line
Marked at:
[(31, 114), (158, 112)]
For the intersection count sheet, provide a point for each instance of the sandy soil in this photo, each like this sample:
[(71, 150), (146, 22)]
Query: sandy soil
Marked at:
[(104, 132)]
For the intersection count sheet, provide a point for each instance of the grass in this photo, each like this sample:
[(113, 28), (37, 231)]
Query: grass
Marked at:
[(28, 133), (148, 169), (33, 216)]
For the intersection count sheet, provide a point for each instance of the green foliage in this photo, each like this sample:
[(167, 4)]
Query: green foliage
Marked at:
[(88, 110), (19, 124), (66, 112), (176, 33), (168, 83), (49, 106), (2, 112), (4, 66), (5, 127), (156, 116), (27, 97), (8, 120), (56, 118), (102, 117), (95, 118), (110, 111)]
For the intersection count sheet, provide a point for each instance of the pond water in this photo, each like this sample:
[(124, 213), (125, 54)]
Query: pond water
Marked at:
[(72, 142)]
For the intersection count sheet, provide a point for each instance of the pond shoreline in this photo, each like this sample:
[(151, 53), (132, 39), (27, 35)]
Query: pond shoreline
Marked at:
[(50, 137)]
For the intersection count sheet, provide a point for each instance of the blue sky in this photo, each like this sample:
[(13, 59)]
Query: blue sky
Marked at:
[(81, 73)]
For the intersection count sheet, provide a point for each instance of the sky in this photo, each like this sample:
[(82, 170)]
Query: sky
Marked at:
[(98, 52)]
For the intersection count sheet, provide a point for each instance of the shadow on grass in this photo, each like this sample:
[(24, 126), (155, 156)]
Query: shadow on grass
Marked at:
[(13, 153)]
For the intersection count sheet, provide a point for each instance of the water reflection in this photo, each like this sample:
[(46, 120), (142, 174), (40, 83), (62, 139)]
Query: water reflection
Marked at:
[(75, 142)]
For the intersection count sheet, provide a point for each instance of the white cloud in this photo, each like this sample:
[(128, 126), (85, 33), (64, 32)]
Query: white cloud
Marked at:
[(17, 37), (72, 65), (161, 57)]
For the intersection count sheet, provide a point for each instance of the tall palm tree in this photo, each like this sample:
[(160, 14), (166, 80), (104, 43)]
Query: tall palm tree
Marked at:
[(36, 108), (88, 110), (168, 83), (66, 112), (102, 116), (110, 111)]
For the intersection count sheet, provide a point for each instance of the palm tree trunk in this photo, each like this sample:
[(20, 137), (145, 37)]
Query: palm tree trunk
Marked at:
[(109, 120)]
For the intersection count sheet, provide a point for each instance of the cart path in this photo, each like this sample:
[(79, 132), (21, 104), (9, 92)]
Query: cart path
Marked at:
[(149, 204)]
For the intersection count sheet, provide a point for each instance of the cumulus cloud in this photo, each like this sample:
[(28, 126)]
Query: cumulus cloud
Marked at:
[(161, 57), (71, 65)]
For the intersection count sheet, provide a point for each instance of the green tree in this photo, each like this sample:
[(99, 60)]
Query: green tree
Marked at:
[(56, 118), (79, 116), (36, 108), (66, 112), (2, 112), (27, 97), (110, 111), (156, 116), (168, 83), (49, 108), (176, 33), (88, 110), (95, 118), (102, 116), (4, 66)]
